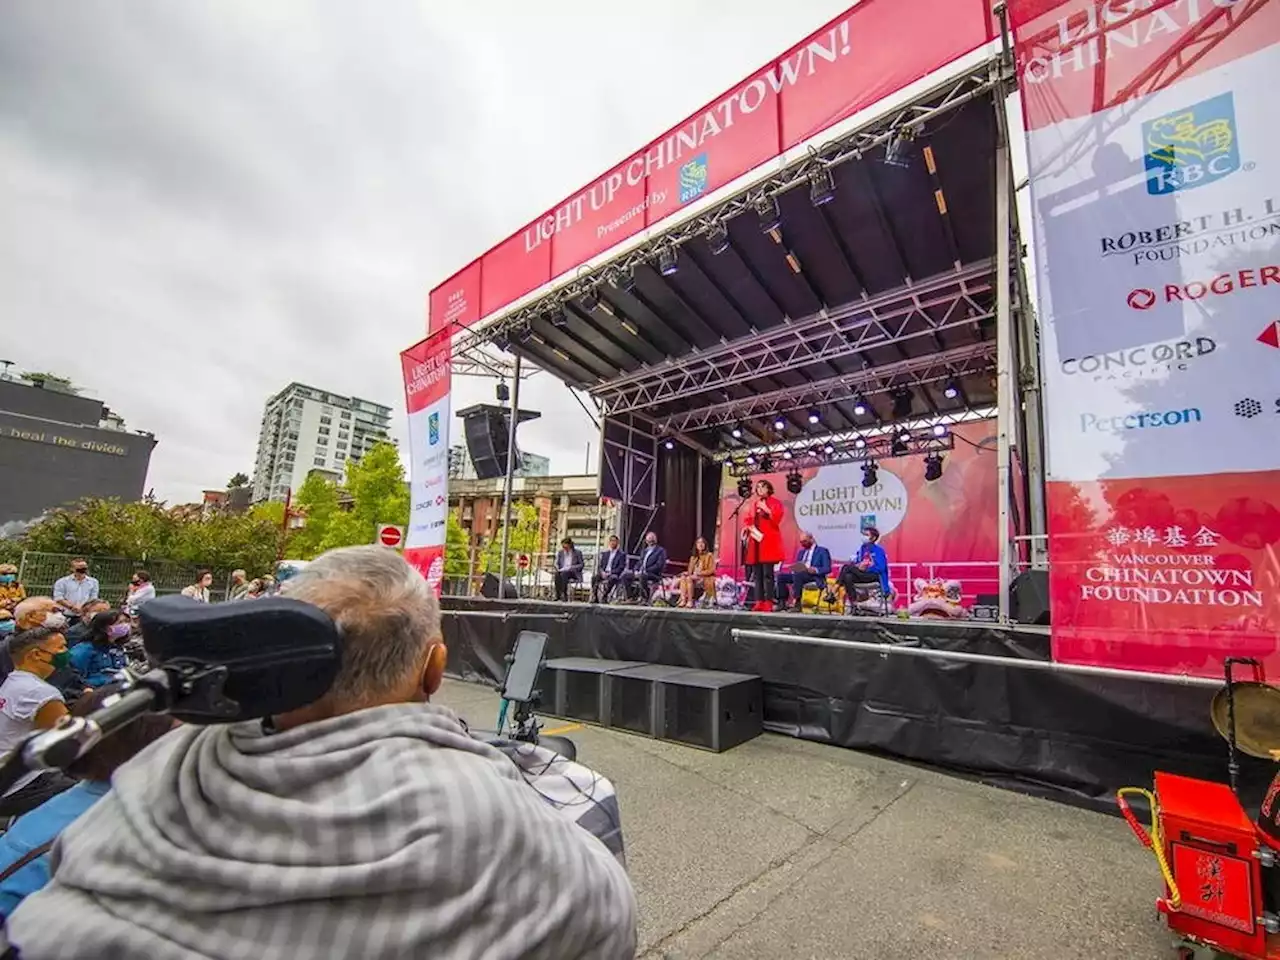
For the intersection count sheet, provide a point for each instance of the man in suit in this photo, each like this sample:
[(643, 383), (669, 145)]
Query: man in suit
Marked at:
[(812, 564), (651, 569), (568, 568), (613, 564)]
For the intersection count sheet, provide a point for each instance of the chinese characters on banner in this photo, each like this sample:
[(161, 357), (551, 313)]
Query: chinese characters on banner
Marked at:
[(427, 379), (1154, 161)]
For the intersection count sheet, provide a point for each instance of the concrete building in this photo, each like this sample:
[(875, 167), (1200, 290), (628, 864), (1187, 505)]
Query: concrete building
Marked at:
[(567, 507), (304, 429), (57, 447), (461, 467)]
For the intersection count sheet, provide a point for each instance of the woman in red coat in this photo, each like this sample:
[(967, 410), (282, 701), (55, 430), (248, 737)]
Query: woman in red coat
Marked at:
[(763, 540)]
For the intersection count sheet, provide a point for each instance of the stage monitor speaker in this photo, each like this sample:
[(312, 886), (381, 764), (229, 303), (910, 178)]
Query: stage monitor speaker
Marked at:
[(487, 431), (1029, 597), (489, 588), (986, 608)]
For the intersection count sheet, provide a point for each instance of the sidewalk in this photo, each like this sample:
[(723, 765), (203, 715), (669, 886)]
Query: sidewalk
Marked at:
[(781, 848)]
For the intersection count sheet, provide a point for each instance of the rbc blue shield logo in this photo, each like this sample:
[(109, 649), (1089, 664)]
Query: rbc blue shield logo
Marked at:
[(693, 178), (433, 429), (1191, 147)]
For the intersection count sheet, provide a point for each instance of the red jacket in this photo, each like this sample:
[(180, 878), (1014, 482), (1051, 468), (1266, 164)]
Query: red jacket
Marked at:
[(768, 549)]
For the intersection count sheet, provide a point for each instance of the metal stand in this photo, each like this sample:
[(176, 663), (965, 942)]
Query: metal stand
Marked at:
[(514, 419)]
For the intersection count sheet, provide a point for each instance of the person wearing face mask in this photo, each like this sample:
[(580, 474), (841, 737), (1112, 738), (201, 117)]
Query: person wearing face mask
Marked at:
[(141, 589), (73, 591), (28, 702), (12, 592), (7, 624), (871, 565), (100, 656), (652, 568), (200, 589), (77, 632), (39, 612)]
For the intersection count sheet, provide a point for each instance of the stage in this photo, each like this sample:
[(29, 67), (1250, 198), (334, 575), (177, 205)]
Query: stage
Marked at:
[(1069, 738)]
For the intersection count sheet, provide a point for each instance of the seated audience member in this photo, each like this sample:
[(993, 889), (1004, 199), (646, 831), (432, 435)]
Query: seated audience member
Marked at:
[(368, 823), (24, 848), (613, 565), (568, 568), (700, 578), (39, 612), (100, 656), (239, 585), (811, 566), (28, 702), (7, 624), (141, 589), (200, 589), (870, 566), (651, 569), (11, 591), (79, 630)]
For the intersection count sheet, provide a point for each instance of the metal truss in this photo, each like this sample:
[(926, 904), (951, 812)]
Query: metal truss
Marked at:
[(912, 372), (479, 362), (936, 103), (920, 429), (877, 321), (879, 448)]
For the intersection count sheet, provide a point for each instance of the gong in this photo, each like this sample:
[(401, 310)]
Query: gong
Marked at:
[(1257, 718)]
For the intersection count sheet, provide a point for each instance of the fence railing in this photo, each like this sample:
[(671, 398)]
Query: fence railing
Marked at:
[(39, 571)]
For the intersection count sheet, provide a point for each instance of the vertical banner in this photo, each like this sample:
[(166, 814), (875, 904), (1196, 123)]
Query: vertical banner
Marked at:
[(1154, 161), (427, 379)]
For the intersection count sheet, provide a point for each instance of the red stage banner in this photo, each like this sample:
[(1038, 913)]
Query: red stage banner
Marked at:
[(1150, 134), (942, 529), (427, 369), (872, 50)]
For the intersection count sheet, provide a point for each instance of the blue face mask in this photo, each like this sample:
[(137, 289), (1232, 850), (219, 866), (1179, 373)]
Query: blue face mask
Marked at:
[(7, 578), (7, 627)]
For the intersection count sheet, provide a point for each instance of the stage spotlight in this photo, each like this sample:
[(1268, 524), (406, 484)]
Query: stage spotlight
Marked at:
[(718, 239), (895, 151), (786, 454), (860, 444), (815, 416), (951, 391), (860, 407), (744, 487), (899, 446), (626, 281), (668, 261), (769, 213), (502, 342), (869, 474), (560, 318), (828, 449), (766, 464), (794, 483), (902, 403), (736, 433), (669, 443), (822, 187), (939, 430), (779, 424), (933, 467), (751, 460), (522, 334), (590, 300)]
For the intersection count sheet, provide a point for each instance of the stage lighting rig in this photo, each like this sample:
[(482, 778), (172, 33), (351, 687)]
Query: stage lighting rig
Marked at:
[(860, 444), (933, 467), (899, 447), (815, 416), (828, 449), (523, 334), (626, 280), (870, 474), (736, 433), (744, 488), (902, 403), (779, 424), (951, 390), (668, 261), (794, 483), (860, 407), (502, 342), (718, 238), (822, 187), (669, 444), (770, 215), (560, 316), (787, 454), (939, 429), (590, 300)]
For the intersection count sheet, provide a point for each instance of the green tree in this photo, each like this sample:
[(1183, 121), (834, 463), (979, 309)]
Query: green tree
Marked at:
[(379, 494), (317, 502), (237, 481), (228, 541), (107, 528), (525, 538), (457, 551)]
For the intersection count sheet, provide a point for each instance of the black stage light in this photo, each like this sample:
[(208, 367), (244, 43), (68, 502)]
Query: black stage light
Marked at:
[(822, 187), (668, 261), (669, 443), (794, 483), (502, 392), (769, 213), (869, 474), (951, 391), (787, 454), (626, 280), (860, 407), (933, 467), (744, 487), (736, 433), (902, 403), (899, 447), (560, 318), (766, 464), (523, 334), (718, 239), (828, 449), (779, 424), (860, 444), (939, 430), (590, 300), (502, 341), (815, 416), (751, 460)]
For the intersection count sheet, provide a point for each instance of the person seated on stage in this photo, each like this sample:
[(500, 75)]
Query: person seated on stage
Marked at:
[(613, 564), (651, 569), (568, 568), (700, 578), (870, 566), (811, 566)]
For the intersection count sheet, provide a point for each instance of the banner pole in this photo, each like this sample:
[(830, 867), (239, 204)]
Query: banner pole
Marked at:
[(510, 478), (1004, 372)]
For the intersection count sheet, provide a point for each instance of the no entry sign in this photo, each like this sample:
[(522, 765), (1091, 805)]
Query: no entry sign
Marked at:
[(523, 562), (389, 535)]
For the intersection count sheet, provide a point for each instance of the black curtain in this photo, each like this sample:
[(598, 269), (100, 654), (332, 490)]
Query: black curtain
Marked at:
[(677, 521)]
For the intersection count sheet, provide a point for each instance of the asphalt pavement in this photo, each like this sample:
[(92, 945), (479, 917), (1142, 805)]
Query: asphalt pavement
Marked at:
[(780, 848)]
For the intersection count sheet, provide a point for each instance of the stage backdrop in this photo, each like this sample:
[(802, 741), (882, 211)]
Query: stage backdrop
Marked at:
[(1154, 162), (949, 522), (427, 378)]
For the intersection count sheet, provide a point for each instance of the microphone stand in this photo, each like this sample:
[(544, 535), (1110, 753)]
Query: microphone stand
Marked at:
[(739, 548)]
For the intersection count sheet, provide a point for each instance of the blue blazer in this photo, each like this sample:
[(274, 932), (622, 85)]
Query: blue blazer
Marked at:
[(613, 564), (879, 562), (821, 560), (653, 562)]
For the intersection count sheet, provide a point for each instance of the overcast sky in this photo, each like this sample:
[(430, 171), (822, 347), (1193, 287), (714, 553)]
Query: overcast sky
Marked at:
[(204, 201)]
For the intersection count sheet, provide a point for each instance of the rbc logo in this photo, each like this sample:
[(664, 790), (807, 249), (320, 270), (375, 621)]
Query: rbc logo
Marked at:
[(693, 178), (433, 429), (1193, 146)]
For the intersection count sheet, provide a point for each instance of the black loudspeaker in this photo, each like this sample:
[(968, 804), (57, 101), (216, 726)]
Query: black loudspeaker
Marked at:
[(489, 588), (487, 431), (1029, 597)]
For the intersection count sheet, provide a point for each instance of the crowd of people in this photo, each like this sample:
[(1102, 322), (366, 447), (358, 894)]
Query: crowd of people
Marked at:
[(771, 583), (369, 822)]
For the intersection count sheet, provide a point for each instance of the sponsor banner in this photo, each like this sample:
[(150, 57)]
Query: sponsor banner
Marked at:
[(871, 51), (427, 381), (457, 302), (945, 528), (1157, 223)]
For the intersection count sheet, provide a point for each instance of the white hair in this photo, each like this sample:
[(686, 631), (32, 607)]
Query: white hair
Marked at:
[(386, 612)]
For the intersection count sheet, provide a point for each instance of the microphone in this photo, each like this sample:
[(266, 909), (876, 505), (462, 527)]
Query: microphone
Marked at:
[(218, 663)]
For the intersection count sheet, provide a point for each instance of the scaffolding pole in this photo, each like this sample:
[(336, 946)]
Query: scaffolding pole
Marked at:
[(509, 482), (1004, 370)]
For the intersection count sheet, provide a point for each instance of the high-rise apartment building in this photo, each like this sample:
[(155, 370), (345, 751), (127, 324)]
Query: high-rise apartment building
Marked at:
[(305, 429)]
